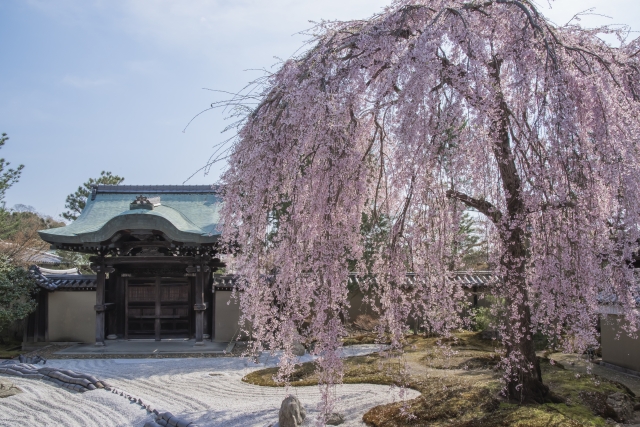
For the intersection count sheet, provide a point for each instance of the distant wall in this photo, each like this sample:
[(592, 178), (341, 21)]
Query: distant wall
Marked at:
[(226, 316), (358, 306), (72, 317), (625, 351)]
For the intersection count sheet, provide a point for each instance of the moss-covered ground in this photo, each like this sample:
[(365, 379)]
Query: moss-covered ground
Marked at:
[(460, 387), (10, 349)]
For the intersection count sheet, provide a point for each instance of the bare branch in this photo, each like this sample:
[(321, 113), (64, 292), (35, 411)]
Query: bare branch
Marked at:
[(482, 206)]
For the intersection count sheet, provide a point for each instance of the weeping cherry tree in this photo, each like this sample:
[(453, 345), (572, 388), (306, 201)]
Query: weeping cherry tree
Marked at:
[(412, 117)]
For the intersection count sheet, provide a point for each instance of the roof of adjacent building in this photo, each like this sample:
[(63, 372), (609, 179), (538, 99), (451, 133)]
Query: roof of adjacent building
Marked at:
[(474, 278), (185, 213), (468, 279), (29, 255), (68, 280)]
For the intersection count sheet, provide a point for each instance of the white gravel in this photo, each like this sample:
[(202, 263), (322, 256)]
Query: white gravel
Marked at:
[(207, 391)]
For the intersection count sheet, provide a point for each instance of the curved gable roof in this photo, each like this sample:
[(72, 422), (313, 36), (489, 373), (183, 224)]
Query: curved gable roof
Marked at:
[(187, 213)]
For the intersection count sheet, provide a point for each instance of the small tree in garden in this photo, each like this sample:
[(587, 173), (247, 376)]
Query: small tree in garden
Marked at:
[(76, 202), (415, 115), (16, 289)]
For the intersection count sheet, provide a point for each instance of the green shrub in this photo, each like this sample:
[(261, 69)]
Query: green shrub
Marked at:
[(16, 292), (481, 318)]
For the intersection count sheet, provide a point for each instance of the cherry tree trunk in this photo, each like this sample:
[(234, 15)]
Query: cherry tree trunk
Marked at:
[(525, 377), (525, 381)]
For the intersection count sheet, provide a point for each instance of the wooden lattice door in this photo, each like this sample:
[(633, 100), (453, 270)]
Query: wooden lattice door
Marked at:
[(174, 308), (158, 308)]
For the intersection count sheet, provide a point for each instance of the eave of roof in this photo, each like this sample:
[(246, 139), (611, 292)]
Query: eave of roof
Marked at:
[(187, 213), (67, 280)]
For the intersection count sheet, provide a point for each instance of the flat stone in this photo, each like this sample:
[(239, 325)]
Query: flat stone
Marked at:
[(7, 388)]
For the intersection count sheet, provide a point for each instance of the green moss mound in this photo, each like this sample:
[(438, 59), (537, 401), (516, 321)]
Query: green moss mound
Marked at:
[(460, 387)]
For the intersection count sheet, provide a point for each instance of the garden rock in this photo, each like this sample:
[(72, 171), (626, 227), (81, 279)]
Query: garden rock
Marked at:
[(335, 419), (31, 359), (80, 382), (617, 406), (292, 413), (621, 405), (8, 388), (65, 378), (298, 349), (168, 419)]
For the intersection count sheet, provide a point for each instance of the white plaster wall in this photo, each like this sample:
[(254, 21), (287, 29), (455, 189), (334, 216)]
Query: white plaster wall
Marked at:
[(72, 317)]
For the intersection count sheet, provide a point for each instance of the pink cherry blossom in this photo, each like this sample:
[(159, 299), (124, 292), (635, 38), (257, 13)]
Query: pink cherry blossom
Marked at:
[(404, 121)]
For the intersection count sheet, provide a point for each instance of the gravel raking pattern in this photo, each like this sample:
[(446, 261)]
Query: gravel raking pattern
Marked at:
[(63, 377), (202, 391)]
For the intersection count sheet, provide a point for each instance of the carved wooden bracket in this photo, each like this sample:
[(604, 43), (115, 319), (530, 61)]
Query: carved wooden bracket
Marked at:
[(200, 307), (104, 307), (99, 267)]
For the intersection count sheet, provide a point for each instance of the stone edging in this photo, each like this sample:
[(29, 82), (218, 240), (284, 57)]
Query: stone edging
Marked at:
[(627, 371), (63, 377)]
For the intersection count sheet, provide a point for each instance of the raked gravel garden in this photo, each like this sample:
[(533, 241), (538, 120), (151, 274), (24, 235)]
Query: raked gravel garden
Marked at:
[(205, 391)]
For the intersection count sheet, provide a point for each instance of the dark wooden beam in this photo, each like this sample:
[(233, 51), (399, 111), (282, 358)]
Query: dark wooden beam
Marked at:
[(126, 246), (158, 311), (200, 306), (213, 312), (100, 307)]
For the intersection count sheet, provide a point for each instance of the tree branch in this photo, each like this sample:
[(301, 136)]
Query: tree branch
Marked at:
[(482, 206)]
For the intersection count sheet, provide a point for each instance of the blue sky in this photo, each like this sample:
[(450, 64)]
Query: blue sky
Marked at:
[(91, 85)]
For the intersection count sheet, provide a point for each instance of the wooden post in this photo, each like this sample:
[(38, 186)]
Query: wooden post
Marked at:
[(213, 311), (45, 302), (36, 321), (158, 308), (100, 306), (200, 306), (120, 306)]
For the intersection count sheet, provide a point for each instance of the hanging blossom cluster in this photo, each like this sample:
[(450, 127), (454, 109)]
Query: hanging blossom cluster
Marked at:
[(362, 154)]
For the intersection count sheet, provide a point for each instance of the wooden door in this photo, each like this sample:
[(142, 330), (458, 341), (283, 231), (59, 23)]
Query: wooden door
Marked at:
[(175, 319), (141, 301), (157, 308)]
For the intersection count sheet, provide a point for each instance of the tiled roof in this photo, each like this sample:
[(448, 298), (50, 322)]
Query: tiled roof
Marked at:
[(30, 255), (473, 278), (224, 282), (154, 189), (68, 280), (186, 213), (42, 257), (612, 299), (465, 278)]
